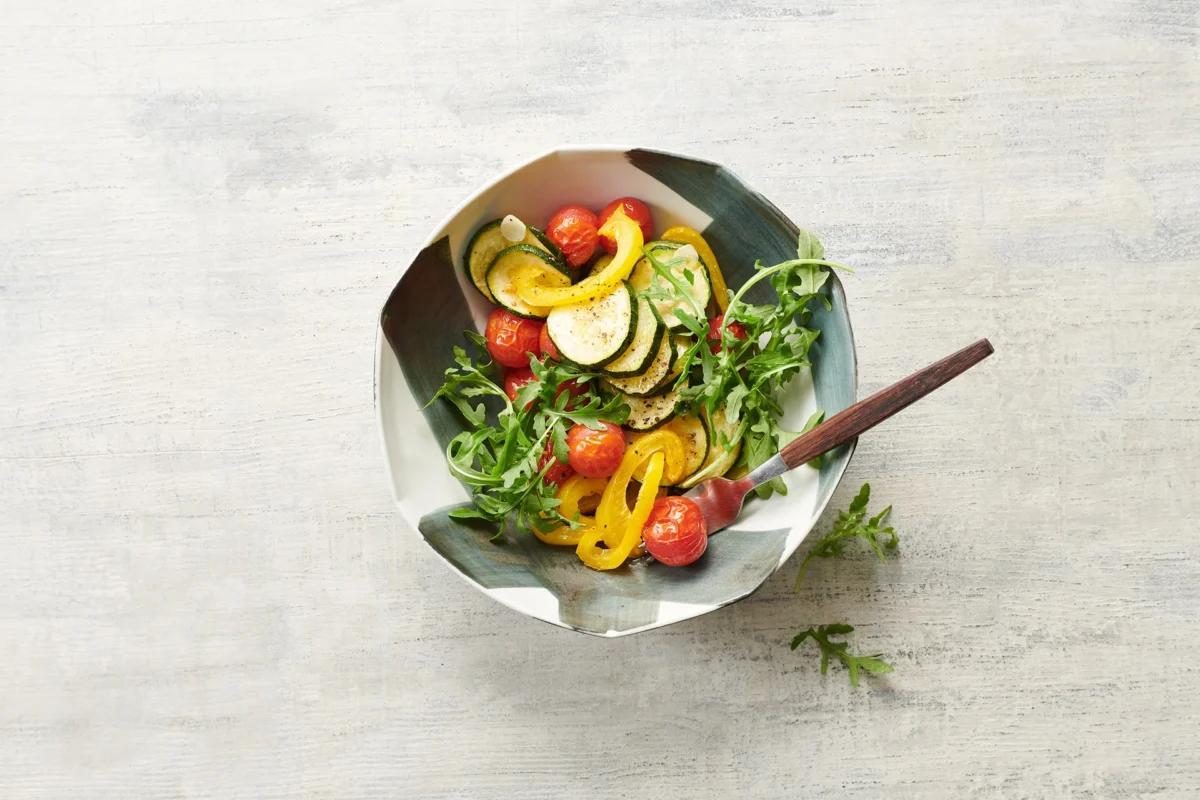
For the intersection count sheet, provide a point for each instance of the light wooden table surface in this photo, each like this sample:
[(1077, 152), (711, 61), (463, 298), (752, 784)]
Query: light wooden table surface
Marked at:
[(206, 591)]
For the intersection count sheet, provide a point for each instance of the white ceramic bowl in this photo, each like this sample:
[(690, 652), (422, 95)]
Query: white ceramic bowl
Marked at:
[(433, 302)]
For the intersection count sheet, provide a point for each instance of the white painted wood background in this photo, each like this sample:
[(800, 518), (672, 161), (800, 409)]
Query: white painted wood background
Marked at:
[(205, 592)]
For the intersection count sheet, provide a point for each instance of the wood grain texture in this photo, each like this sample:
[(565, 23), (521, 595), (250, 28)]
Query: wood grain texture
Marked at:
[(206, 592)]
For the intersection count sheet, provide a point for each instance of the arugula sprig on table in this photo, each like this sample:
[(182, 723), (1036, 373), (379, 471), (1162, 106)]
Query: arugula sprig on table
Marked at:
[(497, 456), (745, 375), (830, 649), (852, 523)]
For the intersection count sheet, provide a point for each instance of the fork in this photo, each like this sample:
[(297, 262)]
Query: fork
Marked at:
[(720, 499)]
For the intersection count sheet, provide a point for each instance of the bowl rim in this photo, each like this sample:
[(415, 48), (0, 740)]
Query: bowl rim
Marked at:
[(818, 510)]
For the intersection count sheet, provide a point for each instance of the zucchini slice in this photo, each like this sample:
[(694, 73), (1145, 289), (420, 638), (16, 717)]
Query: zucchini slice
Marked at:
[(644, 276), (595, 331), (599, 264), (487, 242), (718, 460), (647, 336), (681, 344), (647, 413), (504, 267), (541, 239), (691, 431), (650, 379)]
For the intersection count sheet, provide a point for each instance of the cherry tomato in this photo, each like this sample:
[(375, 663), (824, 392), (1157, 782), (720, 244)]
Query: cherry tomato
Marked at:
[(573, 229), (559, 472), (512, 339), (514, 379), (596, 453), (636, 210), (675, 532), (736, 329), (546, 345)]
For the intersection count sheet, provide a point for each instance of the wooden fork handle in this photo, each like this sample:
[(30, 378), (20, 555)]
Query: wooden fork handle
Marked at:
[(866, 414)]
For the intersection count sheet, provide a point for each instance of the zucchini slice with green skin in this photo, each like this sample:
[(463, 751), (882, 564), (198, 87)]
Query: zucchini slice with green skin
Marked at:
[(487, 242), (598, 265), (718, 460), (644, 276), (644, 384), (647, 336), (549, 246), (681, 343), (504, 266), (595, 331), (647, 413)]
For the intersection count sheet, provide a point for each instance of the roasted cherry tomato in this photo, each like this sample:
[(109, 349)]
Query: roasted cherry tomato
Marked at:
[(546, 345), (573, 229), (558, 472), (514, 379), (512, 339), (675, 532), (736, 329), (596, 453), (636, 210)]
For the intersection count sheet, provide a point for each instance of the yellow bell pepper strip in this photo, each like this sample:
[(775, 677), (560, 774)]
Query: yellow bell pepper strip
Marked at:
[(672, 447), (682, 233), (536, 291), (612, 557), (572, 492), (613, 510)]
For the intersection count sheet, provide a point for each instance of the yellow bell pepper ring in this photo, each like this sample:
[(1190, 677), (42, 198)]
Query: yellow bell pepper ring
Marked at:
[(686, 235), (536, 291), (589, 551), (573, 491), (672, 448)]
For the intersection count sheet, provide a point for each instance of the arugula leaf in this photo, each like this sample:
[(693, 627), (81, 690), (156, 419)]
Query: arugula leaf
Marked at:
[(830, 649), (853, 523)]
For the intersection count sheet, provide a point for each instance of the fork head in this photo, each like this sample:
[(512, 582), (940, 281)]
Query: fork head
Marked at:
[(720, 500)]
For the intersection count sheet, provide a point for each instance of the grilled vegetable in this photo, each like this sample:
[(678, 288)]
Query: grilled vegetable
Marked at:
[(596, 331)]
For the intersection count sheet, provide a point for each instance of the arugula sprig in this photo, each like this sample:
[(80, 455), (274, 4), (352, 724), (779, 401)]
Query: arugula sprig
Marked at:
[(498, 456), (830, 649), (851, 524), (745, 375)]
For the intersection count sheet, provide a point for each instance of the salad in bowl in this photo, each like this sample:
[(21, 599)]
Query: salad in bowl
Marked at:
[(621, 370), (587, 336)]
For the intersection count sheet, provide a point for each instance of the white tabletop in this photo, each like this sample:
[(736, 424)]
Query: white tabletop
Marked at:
[(207, 592)]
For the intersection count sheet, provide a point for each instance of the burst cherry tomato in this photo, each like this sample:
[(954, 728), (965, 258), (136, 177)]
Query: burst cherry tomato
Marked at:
[(736, 329), (636, 210), (558, 472), (675, 533), (573, 229), (512, 339), (546, 345), (596, 453)]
